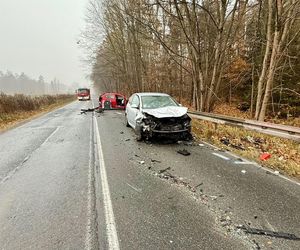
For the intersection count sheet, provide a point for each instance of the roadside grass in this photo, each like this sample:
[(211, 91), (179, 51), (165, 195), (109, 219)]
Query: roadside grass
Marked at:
[(285, 154), (233, 111), (17, 108)]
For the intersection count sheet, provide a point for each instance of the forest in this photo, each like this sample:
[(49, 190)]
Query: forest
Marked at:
[(11, 83), (202, 52)]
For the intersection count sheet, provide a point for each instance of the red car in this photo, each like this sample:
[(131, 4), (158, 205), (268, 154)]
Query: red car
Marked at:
[(112, 101)]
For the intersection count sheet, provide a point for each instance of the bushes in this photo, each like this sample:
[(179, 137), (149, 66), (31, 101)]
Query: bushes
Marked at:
[(17, 103)]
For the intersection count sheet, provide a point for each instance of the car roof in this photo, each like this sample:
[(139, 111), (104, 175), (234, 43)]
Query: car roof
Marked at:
[(112, 93), (151, 94)]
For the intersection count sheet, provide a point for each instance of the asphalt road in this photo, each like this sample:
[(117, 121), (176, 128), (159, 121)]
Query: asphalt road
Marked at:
[(82, 181)]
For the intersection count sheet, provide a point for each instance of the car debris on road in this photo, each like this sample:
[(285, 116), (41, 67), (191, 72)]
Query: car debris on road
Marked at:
[(183, 152), (174, 179), (153, 160), (198, 185), (164, 170), (270, 233), (227, 142), (97, 109)]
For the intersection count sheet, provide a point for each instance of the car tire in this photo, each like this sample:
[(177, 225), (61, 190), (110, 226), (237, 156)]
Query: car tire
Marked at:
[(140, 136), (126, 121), (139, 133)]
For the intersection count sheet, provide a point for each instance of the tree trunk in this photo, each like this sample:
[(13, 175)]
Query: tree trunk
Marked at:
[(262, 77)]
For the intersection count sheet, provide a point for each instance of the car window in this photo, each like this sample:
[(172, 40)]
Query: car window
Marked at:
[(135, 101), (109, 97), (153, 102)]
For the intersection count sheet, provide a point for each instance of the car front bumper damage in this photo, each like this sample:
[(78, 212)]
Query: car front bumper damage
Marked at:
[(177, 128)]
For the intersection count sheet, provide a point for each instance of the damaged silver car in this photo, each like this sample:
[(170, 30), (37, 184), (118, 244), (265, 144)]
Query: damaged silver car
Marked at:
[(157, 114)]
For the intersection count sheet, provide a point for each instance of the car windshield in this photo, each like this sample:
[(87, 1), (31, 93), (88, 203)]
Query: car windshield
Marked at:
[(153, 102), (82, 91)]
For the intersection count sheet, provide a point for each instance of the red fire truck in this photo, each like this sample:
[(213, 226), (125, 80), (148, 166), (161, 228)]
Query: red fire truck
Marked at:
[(83, 94)]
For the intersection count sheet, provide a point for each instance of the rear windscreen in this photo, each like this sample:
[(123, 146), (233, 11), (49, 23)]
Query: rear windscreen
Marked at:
[(109, 96)]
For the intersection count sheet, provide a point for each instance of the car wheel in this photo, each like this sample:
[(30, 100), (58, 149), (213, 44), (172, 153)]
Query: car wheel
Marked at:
[(126, 121), (139, 136), (139, 133)]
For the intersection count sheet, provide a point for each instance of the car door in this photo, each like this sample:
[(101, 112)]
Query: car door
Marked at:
[(133, 110)]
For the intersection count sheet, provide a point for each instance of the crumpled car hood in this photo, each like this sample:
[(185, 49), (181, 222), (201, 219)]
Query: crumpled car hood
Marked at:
[(165, 112)]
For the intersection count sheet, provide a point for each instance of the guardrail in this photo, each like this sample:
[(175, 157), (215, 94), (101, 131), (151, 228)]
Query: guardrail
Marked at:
[(289, 132)]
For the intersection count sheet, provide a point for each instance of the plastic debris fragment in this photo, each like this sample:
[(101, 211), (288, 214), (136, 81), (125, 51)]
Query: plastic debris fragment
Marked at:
[(265, 156), (183, 152), (270, 233)]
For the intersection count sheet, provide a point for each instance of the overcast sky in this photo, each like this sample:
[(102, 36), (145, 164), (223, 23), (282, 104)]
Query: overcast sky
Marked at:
[(38, 37)]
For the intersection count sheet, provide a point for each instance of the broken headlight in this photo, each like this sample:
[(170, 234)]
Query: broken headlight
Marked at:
[(187, 123), (147, 121)]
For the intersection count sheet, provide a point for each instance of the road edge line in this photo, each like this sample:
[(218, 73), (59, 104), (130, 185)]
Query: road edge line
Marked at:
[(111, 229), (221, 156)]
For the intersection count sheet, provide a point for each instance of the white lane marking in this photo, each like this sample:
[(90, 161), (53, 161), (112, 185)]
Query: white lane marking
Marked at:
[(89, 226), (284, 177), (256, 165), (240, 157), (134, 188), (47, 139), (221, 156), (208, 144), (111, 229), (118, 113), (243, 163), (12, 172)]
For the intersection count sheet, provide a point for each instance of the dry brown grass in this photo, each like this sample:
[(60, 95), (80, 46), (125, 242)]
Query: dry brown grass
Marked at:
[(285, 154), (232, 110), (17, 108)]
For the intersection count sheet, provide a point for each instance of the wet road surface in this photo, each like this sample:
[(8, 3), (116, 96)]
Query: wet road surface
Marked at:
[(81, 181)]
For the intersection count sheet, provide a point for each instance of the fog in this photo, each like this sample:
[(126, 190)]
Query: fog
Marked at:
[(39, 38)]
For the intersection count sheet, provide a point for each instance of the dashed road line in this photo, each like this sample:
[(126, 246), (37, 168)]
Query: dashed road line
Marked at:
[(221, 156), (255, 164), (243, 163)]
